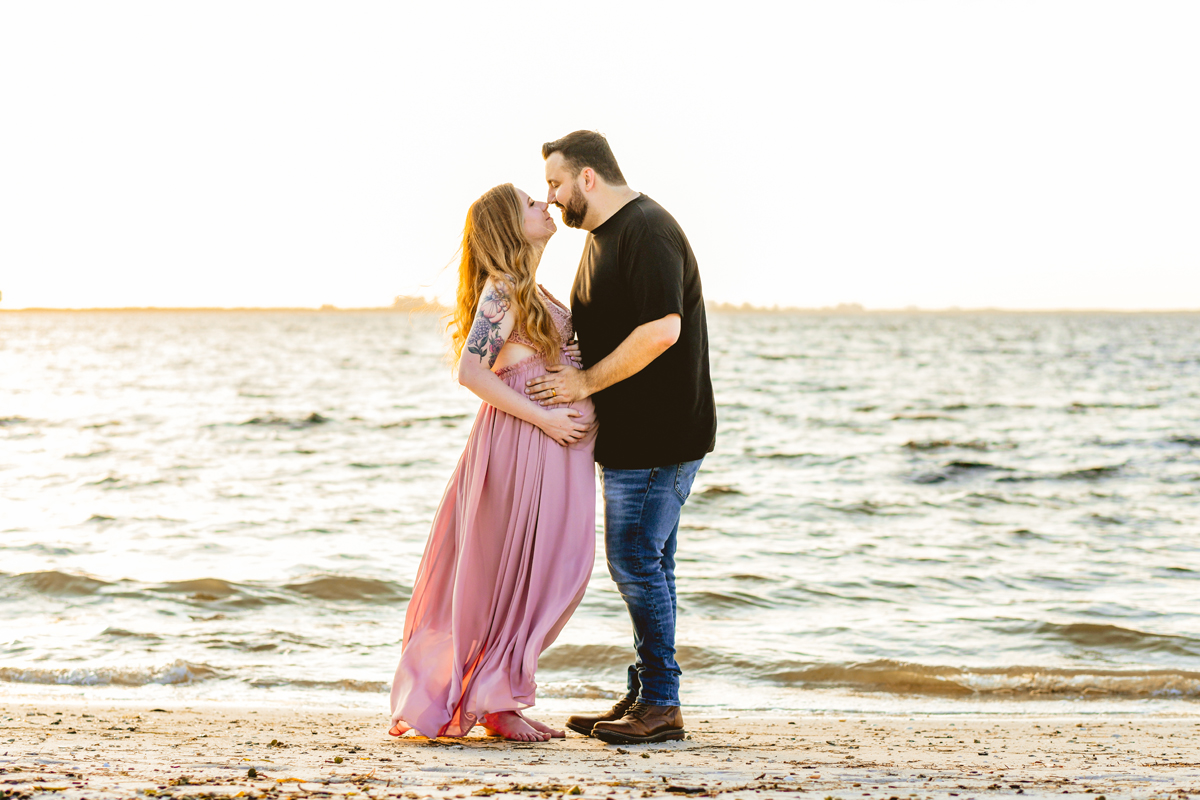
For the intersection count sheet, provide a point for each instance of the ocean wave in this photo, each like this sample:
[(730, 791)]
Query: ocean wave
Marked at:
[(867, 507), (713, 492), (585, 656), (562, 690), (900, 677), (344, 587), (449, 420), (954, 469), (996, 498), (788, 456), (344, 685), (209, 591), (177, 672), (121, 633), (201, 588), (115, 481), (387, 464), (1091, 473), (1096, 636), (968, 466), (260, 641), (815, 459), (287, 422), (942, 444), (908, 678), (92, 454), (54, 583), (40, 549), (576, 691), (593, 657), (1084, 474), (1076, 408), (724, 601)]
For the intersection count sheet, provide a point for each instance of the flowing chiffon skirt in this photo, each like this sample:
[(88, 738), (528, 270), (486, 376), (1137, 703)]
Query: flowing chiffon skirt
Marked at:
[(507, 561)]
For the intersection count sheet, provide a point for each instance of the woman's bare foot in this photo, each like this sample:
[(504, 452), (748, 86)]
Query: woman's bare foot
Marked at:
[(543, 728), (399, 729), (512, 726)]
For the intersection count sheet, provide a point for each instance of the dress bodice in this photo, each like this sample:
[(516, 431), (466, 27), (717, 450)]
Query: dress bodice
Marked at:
[(559, 314)]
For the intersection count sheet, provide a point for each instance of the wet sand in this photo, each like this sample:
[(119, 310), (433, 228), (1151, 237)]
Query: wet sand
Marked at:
[(100, 750)]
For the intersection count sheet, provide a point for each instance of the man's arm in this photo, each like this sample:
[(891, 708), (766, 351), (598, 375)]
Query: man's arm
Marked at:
[(565, 384), (493, 324)]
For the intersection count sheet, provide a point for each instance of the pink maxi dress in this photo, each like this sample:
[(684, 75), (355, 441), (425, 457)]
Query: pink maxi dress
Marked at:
[(507, 561)]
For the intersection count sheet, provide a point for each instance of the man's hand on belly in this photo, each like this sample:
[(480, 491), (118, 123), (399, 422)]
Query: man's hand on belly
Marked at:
[(560, 385)]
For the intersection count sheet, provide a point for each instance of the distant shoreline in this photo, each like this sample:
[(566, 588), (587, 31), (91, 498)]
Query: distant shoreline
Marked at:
[(713, 308), (401, 305), (854, 309), (233, 310)]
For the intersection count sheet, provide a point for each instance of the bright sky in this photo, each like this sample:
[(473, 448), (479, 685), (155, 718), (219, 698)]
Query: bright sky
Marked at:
[(1013, 154)]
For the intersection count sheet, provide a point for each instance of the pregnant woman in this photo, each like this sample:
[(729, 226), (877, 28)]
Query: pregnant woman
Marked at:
[(513, 542)]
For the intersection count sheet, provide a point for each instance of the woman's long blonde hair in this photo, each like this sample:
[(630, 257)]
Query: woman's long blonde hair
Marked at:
[(494, 246)]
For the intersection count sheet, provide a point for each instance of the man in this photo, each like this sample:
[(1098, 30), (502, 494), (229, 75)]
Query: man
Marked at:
[(639, 315)]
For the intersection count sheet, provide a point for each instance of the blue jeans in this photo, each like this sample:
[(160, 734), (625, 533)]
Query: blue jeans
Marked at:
[(641, 528)]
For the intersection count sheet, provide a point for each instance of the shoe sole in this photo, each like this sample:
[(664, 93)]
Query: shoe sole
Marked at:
[(580, 729), (612, 737)]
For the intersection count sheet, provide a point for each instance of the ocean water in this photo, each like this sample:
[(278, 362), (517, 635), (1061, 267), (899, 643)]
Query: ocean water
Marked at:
[(935, 512)]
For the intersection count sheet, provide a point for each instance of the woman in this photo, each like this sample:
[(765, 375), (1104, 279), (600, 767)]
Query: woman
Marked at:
[(513, 541)]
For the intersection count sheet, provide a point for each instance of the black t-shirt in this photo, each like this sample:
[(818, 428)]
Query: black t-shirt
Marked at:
[(638, 267)]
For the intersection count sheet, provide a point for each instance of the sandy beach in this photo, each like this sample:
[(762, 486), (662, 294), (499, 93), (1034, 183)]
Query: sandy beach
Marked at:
[(101, 750)]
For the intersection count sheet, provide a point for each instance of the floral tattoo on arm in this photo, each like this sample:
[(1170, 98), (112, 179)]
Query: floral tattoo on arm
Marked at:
[(485, 340)]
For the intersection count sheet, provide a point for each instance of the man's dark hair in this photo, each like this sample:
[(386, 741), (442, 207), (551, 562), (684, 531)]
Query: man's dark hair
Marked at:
[(587, 149)]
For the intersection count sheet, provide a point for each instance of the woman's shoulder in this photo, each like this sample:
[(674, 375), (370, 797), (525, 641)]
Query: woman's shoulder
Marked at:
[(501, 283)]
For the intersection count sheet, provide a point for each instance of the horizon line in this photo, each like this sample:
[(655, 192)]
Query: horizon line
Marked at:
[(428, 307)]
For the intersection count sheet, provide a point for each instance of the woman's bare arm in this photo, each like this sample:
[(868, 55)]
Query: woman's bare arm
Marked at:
[(494, 321)]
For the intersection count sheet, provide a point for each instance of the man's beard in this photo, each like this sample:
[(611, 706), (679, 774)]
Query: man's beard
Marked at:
[(574, 211)]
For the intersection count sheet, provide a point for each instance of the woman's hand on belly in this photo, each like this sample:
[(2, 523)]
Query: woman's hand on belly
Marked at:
[(563, 425)]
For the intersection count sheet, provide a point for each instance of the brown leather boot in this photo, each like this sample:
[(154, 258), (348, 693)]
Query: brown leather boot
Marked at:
[(642, 723), (583, 723)]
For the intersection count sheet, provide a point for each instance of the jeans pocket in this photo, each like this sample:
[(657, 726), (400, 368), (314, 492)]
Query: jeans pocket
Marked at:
[(685, 475)]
